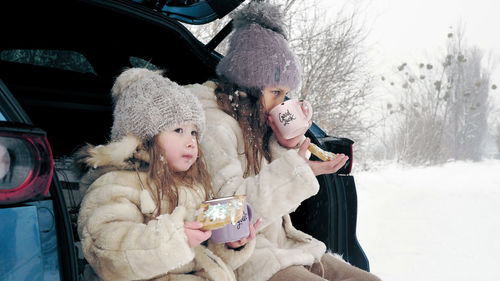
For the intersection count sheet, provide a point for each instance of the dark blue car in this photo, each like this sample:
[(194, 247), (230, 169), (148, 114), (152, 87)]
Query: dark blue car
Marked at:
[(58, 60)]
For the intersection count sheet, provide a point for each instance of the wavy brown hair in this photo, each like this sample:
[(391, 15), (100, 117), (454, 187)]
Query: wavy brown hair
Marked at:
[(168, 181), (247, 107)]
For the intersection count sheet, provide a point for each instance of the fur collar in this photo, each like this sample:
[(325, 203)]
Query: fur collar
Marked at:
[(117, 154), (92, 161), (205, 93)]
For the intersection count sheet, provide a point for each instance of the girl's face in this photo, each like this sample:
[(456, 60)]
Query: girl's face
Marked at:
[(180, 146), (273, 96)]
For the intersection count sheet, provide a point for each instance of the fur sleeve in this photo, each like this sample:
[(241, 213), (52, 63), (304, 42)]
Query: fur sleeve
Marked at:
[(277, 150), (280, 186), (117, 242)]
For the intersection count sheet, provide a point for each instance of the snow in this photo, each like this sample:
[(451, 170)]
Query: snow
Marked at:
[(436, 223)]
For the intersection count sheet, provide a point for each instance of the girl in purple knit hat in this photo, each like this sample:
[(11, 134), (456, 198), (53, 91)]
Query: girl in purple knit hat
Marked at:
[(246, 155)]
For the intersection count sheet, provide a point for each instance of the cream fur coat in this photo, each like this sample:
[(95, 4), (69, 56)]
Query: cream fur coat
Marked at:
[(122, 240), (276, 191)]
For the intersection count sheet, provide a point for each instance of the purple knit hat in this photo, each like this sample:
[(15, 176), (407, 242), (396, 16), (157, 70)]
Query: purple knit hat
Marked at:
[(258, 53)]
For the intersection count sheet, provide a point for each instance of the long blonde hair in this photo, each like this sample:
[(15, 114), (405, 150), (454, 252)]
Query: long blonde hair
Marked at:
[(168, 181), (246, 106)]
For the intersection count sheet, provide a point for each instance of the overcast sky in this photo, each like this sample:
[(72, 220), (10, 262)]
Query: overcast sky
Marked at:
[(405, 26), (412, 30)]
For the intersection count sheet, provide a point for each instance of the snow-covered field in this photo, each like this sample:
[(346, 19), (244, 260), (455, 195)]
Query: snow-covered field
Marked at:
[(431, 223)]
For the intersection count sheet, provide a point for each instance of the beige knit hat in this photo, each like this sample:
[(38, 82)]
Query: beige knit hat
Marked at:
[(147, 103)]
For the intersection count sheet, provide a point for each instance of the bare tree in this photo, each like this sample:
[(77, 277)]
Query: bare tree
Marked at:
[(468, 105), (335, 79), (443, 108), (498, 138)]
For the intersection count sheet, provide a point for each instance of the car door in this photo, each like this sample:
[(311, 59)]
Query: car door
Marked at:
[(36, 234)]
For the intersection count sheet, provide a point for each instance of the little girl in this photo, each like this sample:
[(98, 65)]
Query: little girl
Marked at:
[(136, 220), (245, 153)]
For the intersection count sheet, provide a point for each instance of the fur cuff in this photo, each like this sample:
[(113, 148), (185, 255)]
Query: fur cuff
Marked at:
[(234, 258), (211, 266), (172, 252)]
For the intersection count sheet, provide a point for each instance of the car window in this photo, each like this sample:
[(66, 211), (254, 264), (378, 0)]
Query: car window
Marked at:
[(138, 62), (2, 118), (60, 59)]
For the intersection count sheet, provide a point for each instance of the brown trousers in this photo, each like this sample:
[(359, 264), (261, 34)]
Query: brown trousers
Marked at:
[(331, 268)]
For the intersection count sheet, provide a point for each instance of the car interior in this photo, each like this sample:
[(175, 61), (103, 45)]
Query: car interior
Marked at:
[(69, 101)]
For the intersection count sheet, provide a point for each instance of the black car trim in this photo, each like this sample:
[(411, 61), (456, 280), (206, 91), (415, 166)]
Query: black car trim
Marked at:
[(193, 12), (143, 13), (220, 36), (10, 108), (67, 249)]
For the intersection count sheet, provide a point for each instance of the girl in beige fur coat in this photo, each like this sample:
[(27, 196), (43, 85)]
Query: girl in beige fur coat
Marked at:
[(245, 154), (136, 220)]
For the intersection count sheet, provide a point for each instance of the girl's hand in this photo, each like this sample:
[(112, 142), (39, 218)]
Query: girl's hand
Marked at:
[(194, 234), (253, 230), (290, 143), (322, 167)]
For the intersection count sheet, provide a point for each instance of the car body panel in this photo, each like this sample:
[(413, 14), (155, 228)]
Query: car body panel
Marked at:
[(21, 247), (29, 242)]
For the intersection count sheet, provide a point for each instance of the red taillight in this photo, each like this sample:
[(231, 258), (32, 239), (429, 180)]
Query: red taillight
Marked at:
[(26, 164)]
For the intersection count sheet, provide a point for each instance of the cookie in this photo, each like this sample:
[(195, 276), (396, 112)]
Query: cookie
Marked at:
[(320, 153)]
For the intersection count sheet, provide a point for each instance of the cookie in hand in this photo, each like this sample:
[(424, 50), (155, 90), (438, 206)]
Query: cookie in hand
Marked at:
[(320, 153)]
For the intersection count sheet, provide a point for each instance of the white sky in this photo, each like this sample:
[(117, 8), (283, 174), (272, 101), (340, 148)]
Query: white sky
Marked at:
[(413, 30), (402, 27), (431, 223)]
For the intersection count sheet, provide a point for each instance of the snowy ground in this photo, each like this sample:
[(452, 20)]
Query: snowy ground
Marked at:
[(431, 223)]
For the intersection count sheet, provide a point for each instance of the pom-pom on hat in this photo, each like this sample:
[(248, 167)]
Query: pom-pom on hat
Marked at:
[(258, 53), (146, 103)]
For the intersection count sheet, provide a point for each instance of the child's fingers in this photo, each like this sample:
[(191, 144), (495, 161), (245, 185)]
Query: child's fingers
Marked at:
[(236, 244), (341, 162), (200, 235), (304, 146), (328, 167), (205, 235), (193, 224), (252, 233), (270, 121), (257, 224), (253, 229), (243, 241), (196, 237)]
